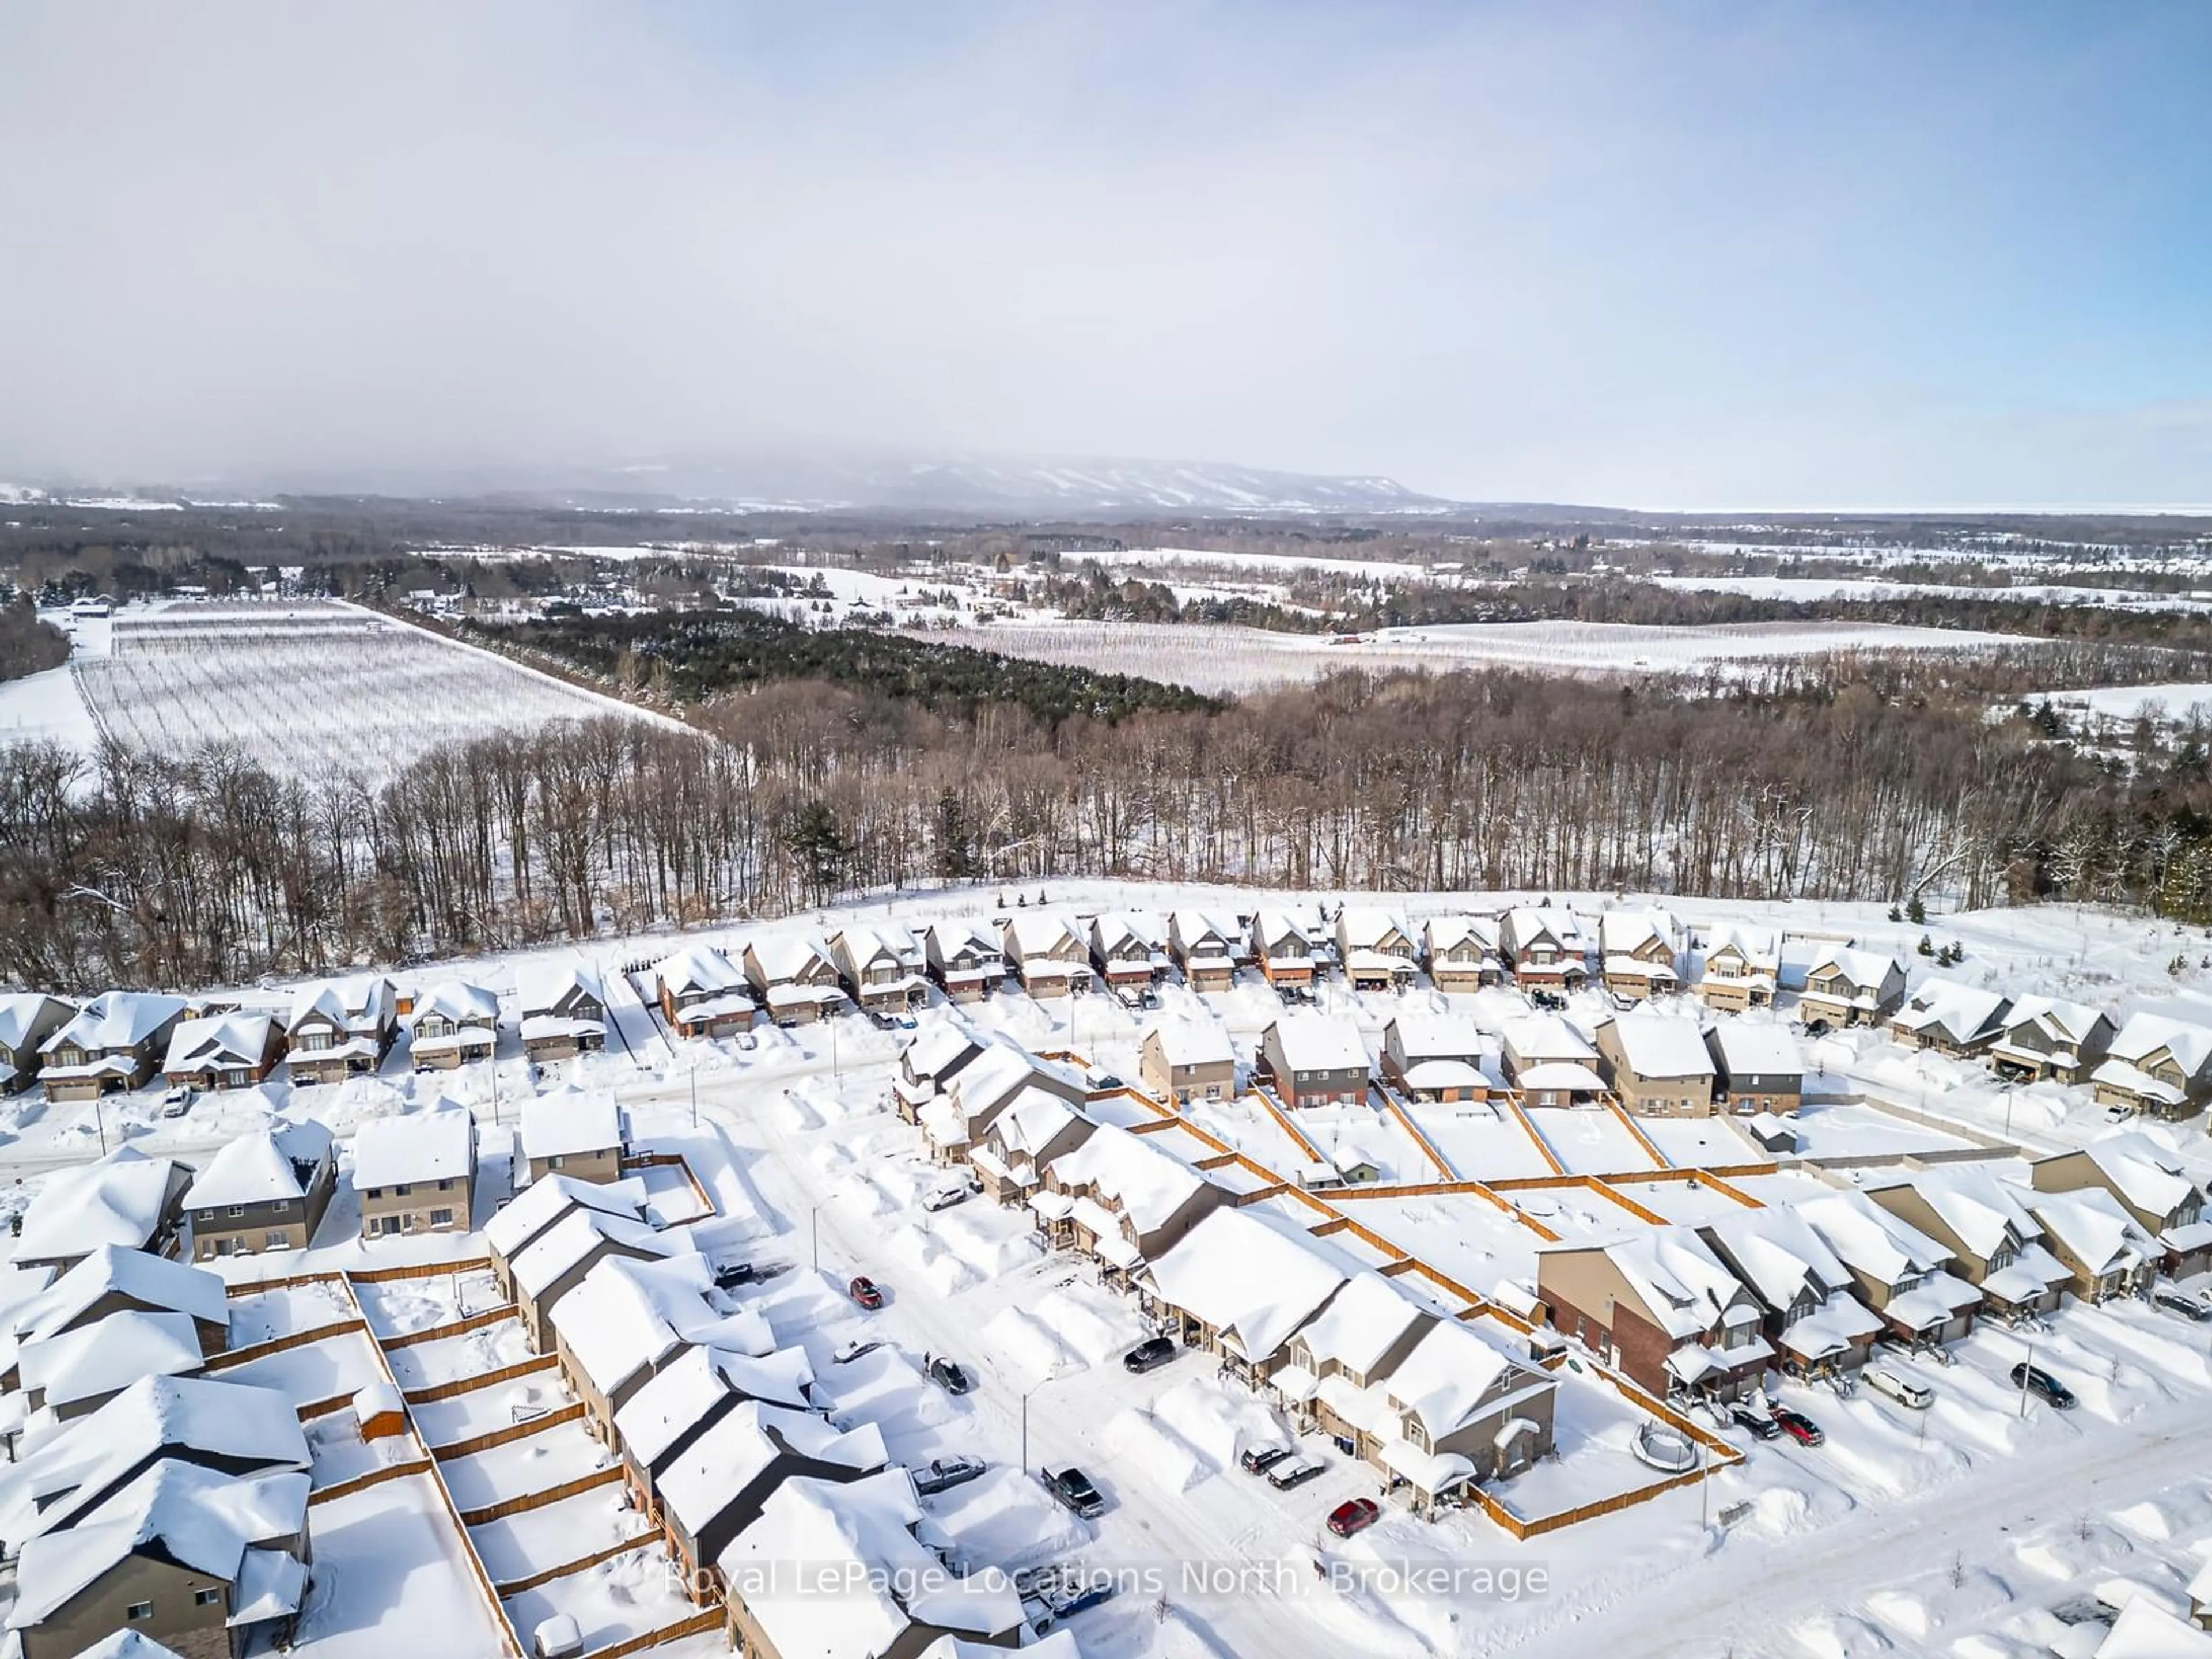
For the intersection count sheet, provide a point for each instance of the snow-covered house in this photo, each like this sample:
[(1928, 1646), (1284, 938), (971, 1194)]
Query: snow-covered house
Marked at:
[(1032, 1132), (929, 1063), (1361, 1335), (340, 1028), (563, 1255), (265, 1190), (1847, 986), (958, 1118), (1657, 1064), (1817, 1325), (1995, 1241), (2156, 1066), (631, 1317), (1465, 1410), (204, 1562), (702, 994), (1205, 947), (1436, 1058), (1121, 1201), (1757, 1067), (415, 1172), (687, 1396), (1376, 949), (1129, 949), (2105, 1253), (1315, 1060), (540, 1205), (452, 1024), (1637, 950), (2046, 1037), (1951, 1018), (896, 1599), (1546, 950), (1899, 1271), (1283, 947), (117, 1040), (110, 1281), (573, 1132), (881, 966), (1185, 1059), (2151, 1184), (223, 1051), (719, 1485), (965, 958), (564, 1011), (83, 1368), (1237, 1287), (1549, 1061), (126, 1199), (1660, 1307), (794, 976), (1462, 952), (2146, 1629), (1044, 951), (1742, 968), (27, 1018)]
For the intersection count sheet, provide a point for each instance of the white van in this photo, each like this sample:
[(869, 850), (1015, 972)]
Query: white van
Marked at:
[(1901, 1388)]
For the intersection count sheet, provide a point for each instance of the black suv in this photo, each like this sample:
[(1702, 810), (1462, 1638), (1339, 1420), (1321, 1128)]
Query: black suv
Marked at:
[(2036, 1380), (1150, 1354), (1073, 1488)]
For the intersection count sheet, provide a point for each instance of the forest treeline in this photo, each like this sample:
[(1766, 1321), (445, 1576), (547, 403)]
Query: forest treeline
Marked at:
[(141, 870)]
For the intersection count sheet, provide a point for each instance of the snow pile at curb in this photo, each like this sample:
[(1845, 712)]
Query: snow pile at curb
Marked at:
[(1137, 1437)]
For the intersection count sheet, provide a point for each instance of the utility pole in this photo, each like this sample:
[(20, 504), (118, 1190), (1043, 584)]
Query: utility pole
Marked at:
[(2026, 1370), (694, 1075), (814, 1233)]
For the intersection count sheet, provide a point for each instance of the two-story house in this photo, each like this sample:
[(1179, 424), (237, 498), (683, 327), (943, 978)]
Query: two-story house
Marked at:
[(27, 1018), (1045, 954), (1462, 952), (1546, 950), (1184, 1060), (1817, 1325), (794, 976), (223, 1051), (1637, 953), (2104, 1252), (1437, 1058), (965, 958), (1897, 1270), (576, 1133), (1549, 1062), (702, 994), (451, 1024), (265, 1190), (1205, 948), (340, 1028), (883, 967), (1757, 1067), (1657, 1064), (1951, 1019), (1237, 1287), (1362, 1333), (1315, 1060), (1284, 950), (1376, 949), (415, 1172), (1742, 968), (1122, 1202), (564, 1011), (1032, 1131), (1845, 987), (2151, 1183), (2159, 1067), (1129, 950), (117, 1040), (1660, 1307), (126, 1199), (1995, 1244), (1467, 1413), (2047, 1038)]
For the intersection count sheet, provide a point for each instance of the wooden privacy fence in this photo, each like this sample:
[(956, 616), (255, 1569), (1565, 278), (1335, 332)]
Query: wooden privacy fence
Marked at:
[(1635, 1132), (461, 1326), (510, 1588), (233, 1357), (509, 1432), (419, 1270), (459, 1386), (1429, 1149), (256, 1287), (698, 1623), (375, 1477), (538, 1500)]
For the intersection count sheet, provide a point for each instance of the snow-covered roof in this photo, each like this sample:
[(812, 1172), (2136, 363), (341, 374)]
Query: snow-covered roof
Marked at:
[(1277, 926), (1031, 1119), (2090, 1223), (686, 1390), (117, 1199), (1975, 1205), (1623, 933), (260, 1166), (1778, 1254), (1147, 1185), (697, 969), (1430, 1075), (1755, 1049), (204, 1521), (628, 1314), (1525, 922), (461, 1003), (1682, 1284), (540, 1204), (1546, 1036), (128, 1644), (859, 1535), (2146, 1630), (1449, 1371), (1445, 933), (745, 1444), (1363, 927), (2060, 1021), (1255, 1284), (109, 1355), (115, 1019), (1865, 1236), (2144, 1035), (414, 1147), (1137, 931), (1366, 1317), (1663, 1045), (138, 1276), (1759, 947), (1863, 969), (860, 944), (541, 988), (1549, 1075), (573, 1238), (1193, 1043), (2149, 1176), (570, 1122), (1040, 934), (1002, 1071), (1194, 929), (19, 1013), (1321, 1042), (937, 1047), (1962, 1012), (360, 1002), (968, 935), (219, 1041), (1435, 1037)]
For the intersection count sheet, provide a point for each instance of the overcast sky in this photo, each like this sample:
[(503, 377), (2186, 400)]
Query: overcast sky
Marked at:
[(1666, 255)]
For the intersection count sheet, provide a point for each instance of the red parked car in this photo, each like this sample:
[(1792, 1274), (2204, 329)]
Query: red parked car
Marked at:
[(1799, 1427), (1355, 1515), (864, 1291)]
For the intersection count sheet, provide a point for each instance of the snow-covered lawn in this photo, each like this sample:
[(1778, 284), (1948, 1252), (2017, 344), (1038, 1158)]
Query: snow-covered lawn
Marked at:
[(626, 1596), (1590, 1140), (479, 1411), (399, 1306), (334, 1442), (536, 1463), (517, 1546), (453, 1359), (391, 1577), (286, 1309)]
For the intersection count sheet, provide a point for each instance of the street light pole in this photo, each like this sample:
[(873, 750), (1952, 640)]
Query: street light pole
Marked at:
[(814, 1233), (2026, 1370)]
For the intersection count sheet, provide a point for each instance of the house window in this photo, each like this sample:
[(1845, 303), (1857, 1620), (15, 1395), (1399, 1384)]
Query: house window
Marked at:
[(376, 1192), (441, 1218), (237, 1210), (138, 1610), (277, 1239), (444, 1186), (401, 1190), (552, 1163), (206, 1598)]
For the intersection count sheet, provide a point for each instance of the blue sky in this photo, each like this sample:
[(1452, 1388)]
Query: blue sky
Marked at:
[(1700, 256)]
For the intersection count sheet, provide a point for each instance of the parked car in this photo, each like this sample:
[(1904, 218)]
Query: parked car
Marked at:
[(1816, 1028), (1258, 1460), (1799, 1427), (1150, 1354), (178, 1101), (847, 1351), (1293, 1472), (880, 1020), (946, 1473), (863, 1290), (1073, 1488), (943, 1198), (1759, 1424), (1899, 1387), (905, 1021), (950, 1376), (2117, 1113), (2036, 1380), (731, 1274), (1354, 1514), (2174, 1299)]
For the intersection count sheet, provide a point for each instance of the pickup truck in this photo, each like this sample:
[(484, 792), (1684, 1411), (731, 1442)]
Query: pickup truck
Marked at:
[(1073, 1489)]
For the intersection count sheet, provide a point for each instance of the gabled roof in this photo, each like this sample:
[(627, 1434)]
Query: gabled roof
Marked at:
[(1320, 1042), (115, 1019), (1192, 1042), (1435, 1037), (2145, 1630), (1040, 933), (1191, 927), (108, 1355), (1683, 1285), (679, 1396), (1759, 947), (1526, 922), (219, 1041), (627, 1315), (1749, 1049), (2145, 1033), (571, 1122), (542, 1202), (119, 1200), (1623, 933), (1865, 1236), (359, 1002), (1366, 1317), (714, 1469), (1963, 1013), (1663, 1045), (151, 1280), (1272, 926), (1136, 928), (785, 954), (461, 1003), (20, 1013), (1253, 1283), (965, 933), (1862, 968), (573, 1237), (697, 969), (2089, 1223), (1363, 927), (1147, 1184), (2062, 1022), (1778, 1254), (860, 944), (260, 1166), (939, 1047), (1444, 933), (540, 988), (1546, 1036), (438, 1145), (2145, 1174), (1443, 1380), (1975, 1205), (1032, 1119)]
